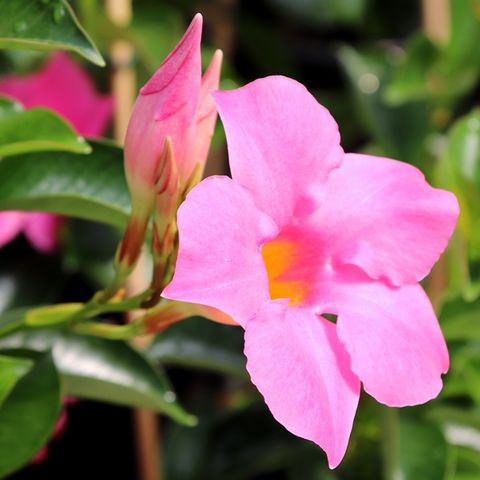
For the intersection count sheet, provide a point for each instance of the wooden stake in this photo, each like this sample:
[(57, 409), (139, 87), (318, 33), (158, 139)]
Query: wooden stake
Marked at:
[(122, 54), (436, 24), (436, 19), (220, 20), (124, 85)]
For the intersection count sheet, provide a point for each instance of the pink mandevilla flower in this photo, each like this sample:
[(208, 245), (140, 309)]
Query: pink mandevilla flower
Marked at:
[(301, 230), (64, 87)]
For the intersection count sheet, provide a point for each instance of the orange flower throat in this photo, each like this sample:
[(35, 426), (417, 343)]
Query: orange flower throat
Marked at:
[(281, 256)]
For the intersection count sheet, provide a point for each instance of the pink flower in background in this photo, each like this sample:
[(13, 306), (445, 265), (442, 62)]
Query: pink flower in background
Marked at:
[(304, 230), (58, 430), (41, 229), (61, 85)]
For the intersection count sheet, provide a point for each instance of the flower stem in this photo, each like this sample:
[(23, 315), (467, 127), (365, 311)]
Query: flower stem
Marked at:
[(390, 440), (104, 330)]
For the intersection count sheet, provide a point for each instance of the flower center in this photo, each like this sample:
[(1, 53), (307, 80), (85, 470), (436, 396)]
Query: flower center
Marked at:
[(282, 258)]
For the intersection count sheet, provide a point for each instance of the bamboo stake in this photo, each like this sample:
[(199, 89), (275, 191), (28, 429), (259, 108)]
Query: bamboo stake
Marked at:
[(147, 438), (123, 86), (220, 17), (436, 25), (436, 19), (123, 78)]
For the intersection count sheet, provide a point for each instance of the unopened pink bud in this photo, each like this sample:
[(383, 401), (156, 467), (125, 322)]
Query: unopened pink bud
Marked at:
[(175, 103), (166, 106)]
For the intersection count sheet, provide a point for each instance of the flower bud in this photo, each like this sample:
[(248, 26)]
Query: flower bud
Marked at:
[(167, 139)]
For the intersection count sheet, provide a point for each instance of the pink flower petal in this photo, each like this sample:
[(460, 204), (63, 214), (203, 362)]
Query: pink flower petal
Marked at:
[(40, 456), (298, 364), (41, 229), (282, 145), (391, 333), (207, 111), (382, 216), (11, 224), (184, 52), (66, 88), (219, 261)]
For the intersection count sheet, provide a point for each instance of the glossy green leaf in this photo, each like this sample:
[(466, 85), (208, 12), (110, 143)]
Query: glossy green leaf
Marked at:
[(399, 130), (12, 321), (425, 73), (464, 377), (155, 30), (44, 25), (441, 71), (459, 276), (422, 451), (91, 186), (200, 343), (461, 53), (459, 168), (460, 320), (238, 445), (462, 429), (28, 415), (411, 78), (9, 107), (34, 130), (325, 11), (455, 415), (105, 370), (467, 464), (12, 369)]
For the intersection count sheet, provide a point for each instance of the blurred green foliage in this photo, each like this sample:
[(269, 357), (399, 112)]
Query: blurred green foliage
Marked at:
[(394, 91)]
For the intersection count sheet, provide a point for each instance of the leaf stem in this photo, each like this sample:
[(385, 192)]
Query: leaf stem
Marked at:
[(104, 330), (390, 440)]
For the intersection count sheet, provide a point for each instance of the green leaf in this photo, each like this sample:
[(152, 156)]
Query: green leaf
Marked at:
[(461, 53), (44, 25), (422, 451), (9, 107), (200, 343), (441, 73), (104, 370), (464, 378), (92, 186), (458, 170), (28, 415), (467, 462), (460, 320), (347, 12), (11, 371), (399, 130), (36, 129), (410, 80), (238, 445), (455, 415), (12, 320)]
